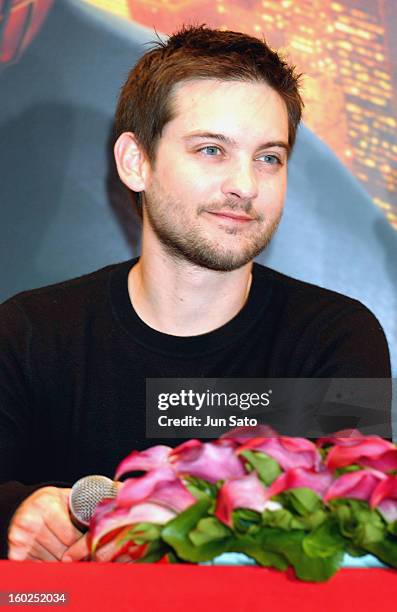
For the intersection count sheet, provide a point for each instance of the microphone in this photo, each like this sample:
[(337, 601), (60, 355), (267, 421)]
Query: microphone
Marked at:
[(86, 493)]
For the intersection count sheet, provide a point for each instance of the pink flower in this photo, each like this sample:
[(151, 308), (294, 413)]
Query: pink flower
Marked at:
[(371, 451), (345, 437), (239, 435), (245, 492), (160, 486), (156, 497), (146, 460), (108, 518), (288, 452), (358, 485), (296, 478), (384, 497), (209, 461)]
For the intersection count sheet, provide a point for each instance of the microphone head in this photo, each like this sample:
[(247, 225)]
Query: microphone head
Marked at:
[(86, 494)]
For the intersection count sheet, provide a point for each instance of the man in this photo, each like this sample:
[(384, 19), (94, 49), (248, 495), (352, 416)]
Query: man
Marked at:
[(57, 106), (205, 123)]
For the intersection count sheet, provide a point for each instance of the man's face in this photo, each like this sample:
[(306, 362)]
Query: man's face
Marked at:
[(215, 193)]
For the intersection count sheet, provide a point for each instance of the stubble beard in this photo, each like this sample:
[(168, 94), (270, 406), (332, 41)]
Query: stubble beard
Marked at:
[(188, 244)]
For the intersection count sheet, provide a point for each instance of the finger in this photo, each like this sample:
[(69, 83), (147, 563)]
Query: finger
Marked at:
[(59, 522), (21, 536), (42, 527), (47, 507), (77, 551), (22, 553), (41, 553), (57, 542), (47, 547), (29, 533), (43, 545)]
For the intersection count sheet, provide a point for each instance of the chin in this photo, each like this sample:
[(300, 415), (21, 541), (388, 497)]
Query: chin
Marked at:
[(222, 262), (226, 255)]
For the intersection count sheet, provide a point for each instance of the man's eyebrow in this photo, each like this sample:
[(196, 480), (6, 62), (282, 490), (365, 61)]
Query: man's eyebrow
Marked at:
[(276, 143), (233, 143), (211, 136)]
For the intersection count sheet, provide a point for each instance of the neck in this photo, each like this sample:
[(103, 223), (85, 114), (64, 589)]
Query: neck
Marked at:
[(178, 298)]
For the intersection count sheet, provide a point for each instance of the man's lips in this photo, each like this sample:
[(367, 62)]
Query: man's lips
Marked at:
[(226, 214)]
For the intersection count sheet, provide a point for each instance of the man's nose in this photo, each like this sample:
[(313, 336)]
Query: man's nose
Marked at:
[(241, 181)]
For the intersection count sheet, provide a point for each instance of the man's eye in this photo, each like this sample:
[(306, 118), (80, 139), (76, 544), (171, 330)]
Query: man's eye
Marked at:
[(270, 159), (210, 151)]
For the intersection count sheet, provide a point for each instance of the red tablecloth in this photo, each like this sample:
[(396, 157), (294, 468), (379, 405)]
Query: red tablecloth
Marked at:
[(188, 588)]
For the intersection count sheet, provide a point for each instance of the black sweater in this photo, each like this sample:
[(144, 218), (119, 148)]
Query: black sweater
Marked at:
[(74, 358)]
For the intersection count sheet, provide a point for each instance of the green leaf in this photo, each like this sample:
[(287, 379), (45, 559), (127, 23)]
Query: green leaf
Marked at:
[(355, 551), (303, 500), (282, 519), (392, 528), (142, 532), (385, 551), (200, 488), (246, 521), (266, 467), (253, 547), (366, 528), (279, 549), (176, 533), (325, 541), (155, 551), (357, 521), (173, 557), (314, 520), (286, 520), (348, 468), (290, 545), (207, 530)]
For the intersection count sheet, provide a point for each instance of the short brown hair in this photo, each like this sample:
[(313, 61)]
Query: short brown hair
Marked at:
[(198, 52)]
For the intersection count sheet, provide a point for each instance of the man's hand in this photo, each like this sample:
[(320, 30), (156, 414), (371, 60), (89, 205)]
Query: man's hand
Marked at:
[(106, 552), (41, 528)]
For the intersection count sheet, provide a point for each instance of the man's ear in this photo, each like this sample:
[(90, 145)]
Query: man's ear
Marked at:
[(132, 164)]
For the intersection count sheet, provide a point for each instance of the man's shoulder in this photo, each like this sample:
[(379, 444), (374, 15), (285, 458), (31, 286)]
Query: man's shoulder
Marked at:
[(65, 297), (340, 335), (297, 294), (300, 289)]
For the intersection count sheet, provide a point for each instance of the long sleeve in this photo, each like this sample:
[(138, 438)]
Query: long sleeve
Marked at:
[(74, 359), (15, 414), (351, 350), (352, 345)]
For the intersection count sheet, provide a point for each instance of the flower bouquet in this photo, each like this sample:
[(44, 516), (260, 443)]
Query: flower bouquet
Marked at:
[(282, 501)]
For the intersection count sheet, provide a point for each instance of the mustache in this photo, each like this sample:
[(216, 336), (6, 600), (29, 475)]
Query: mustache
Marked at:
[(243, 207)]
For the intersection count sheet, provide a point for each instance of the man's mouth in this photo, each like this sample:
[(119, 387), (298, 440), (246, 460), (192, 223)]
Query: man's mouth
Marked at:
[(238, 217)]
